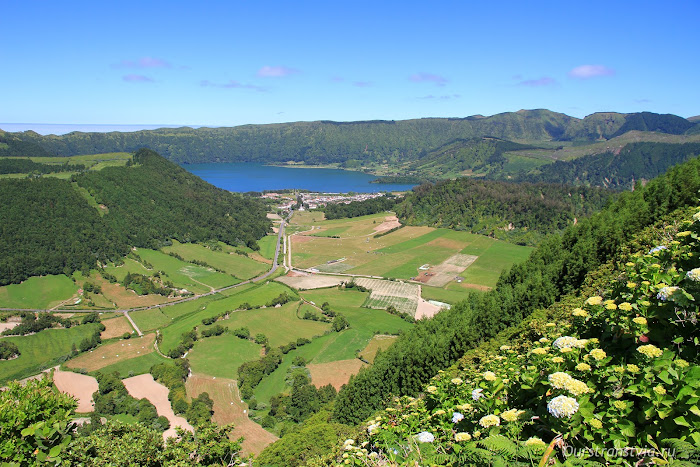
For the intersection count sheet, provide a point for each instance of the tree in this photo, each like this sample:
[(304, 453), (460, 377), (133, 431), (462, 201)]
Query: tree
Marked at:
[(35, 423)]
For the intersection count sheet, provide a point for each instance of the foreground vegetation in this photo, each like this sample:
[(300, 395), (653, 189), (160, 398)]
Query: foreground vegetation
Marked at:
[(557, 267), (613, 380)]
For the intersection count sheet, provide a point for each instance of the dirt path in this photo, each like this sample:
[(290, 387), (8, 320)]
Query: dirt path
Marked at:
[(145, 386)]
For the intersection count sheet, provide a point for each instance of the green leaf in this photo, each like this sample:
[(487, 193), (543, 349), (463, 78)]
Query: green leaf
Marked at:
[(681, 421)]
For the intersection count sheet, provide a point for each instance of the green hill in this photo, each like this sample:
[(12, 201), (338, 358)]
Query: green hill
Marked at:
[(52, 226), (522, 213)]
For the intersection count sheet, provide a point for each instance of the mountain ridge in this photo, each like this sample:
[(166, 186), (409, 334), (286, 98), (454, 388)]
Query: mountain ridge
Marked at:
[(321, 142)]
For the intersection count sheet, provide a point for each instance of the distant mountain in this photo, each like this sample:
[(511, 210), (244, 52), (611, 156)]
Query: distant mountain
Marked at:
[(361, 142), (20, 145)]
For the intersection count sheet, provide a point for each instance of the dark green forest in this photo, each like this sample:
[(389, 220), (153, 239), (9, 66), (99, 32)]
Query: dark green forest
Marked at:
[(557, 267), (360, 208), (351, 142), (619, 171), (520, 212), (22, 145), (48, 227), (27, 166)]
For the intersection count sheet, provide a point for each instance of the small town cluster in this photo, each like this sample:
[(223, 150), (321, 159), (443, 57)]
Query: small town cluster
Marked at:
[(285, 200)]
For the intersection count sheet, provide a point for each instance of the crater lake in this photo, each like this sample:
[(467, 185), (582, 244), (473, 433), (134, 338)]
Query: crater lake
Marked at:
[(247, 176)]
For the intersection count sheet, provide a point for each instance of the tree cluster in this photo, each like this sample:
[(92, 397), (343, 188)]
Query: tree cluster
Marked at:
[(520, 212), (112, 398), (359, 208)]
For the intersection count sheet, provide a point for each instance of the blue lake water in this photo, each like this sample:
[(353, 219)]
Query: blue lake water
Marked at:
[(246, 176)]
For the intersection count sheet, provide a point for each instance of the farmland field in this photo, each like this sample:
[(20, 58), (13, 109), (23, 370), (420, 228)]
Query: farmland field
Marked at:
[(335, 346), (226, 259), (221, 356), (287, 327), (402, 296), (42, 350), (38, 292), (267, 246), (228, 408), (436, 256), (116, 327), (113, 352), (134, 366), (197, 311), (377, 343)]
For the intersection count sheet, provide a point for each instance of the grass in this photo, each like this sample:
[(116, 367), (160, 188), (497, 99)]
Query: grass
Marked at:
[(38, 292), (364, 324), (149, 320), (42, 350), (377, 343), (186, 275), (493, 259), (226, 259), (268, 245), (400, 253), (307, 217), (444, 295), (191, 314), (221, 356), (113, 352), (134, 366), (287, 327)]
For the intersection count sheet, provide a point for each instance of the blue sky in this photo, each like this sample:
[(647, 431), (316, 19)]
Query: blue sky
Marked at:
[(233, 63)]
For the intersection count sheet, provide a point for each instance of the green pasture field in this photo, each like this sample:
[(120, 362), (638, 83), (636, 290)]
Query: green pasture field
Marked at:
[(377, 343), (444, 295), (42, 350), (91, 162), (134, 366), (38, 292), (307, 217), (344, 345), (186, 275), (226, 259), (493, 259), (186, 322), (400, 253), (280, 325), (364, 323), (221, 356), (130, 266), (268, 244)]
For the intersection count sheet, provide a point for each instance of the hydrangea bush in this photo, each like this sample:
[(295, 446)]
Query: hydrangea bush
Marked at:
[(616, 382)]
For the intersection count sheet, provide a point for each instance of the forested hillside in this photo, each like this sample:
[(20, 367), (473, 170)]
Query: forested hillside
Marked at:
[(21, 145), (477, 155), (350, 142), (519, 212), (157, 200), (49, 227), (616, 169), (557, 267)]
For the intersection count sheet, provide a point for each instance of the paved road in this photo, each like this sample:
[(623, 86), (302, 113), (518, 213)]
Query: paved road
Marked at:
[(264, 276)]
